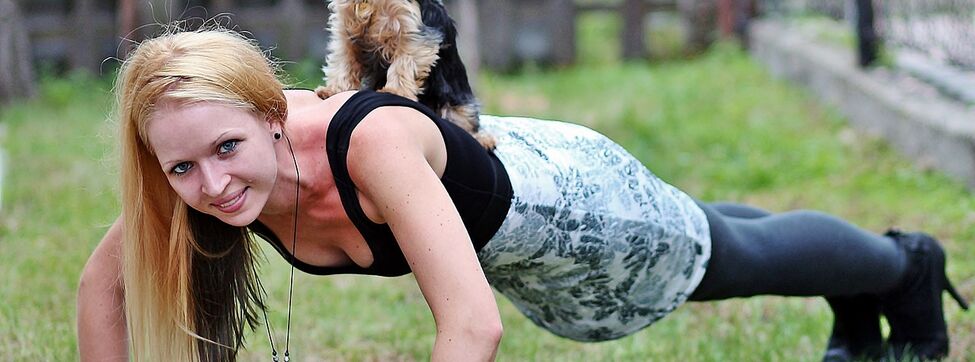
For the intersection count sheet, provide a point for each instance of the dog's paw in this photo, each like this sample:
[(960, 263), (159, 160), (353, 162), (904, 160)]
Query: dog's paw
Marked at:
[(400, 92), (324, 92), (486, 140)]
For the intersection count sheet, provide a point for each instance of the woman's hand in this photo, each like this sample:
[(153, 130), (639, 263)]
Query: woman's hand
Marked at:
[(102, 332), (389, 160)]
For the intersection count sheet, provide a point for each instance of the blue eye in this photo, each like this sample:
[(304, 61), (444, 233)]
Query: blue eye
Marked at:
[(181, 168), (228, 147)]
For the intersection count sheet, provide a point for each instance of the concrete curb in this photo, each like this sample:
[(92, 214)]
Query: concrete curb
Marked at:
[(936, 132)]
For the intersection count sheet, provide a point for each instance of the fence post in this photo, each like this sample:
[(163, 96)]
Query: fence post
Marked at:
[(465, 14), (498, 37), (159, 11), (726, 17), (220, 6), (84, 52), (866, 33), (634, 38), (562, 31), (700, 17), (127, 18), (16, 71), (291, 31)]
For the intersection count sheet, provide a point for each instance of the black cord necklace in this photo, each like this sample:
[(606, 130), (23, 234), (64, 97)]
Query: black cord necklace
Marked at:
[(294, 253)]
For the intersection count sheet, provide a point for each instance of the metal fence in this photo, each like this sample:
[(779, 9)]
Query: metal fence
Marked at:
[(943, 30), (791, 8)]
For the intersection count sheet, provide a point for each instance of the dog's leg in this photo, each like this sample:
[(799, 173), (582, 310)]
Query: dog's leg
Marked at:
[(466, 116), (411, 48), (342, 70), (411, 65)]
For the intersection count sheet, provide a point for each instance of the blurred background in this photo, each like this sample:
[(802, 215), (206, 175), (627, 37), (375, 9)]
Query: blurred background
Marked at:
[(859, 108)]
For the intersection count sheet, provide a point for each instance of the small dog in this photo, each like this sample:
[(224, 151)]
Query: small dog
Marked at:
[(403, 47)]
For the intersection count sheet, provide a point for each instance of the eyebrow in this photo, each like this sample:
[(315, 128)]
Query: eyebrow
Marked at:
[(219, 137), (213, 145)]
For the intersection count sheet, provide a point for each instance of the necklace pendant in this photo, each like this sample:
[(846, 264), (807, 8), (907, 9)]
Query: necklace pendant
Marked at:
[(286, 357)]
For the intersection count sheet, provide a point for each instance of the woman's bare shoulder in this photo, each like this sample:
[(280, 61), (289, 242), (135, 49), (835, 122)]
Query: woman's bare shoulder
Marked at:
[(336, 101)]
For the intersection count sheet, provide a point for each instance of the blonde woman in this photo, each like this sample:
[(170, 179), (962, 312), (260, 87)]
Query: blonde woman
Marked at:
[(583, 239)]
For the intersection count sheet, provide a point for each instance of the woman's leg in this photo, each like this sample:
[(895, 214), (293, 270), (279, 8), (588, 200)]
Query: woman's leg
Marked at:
[(797, 253), (737, 210), (756, 252), (861, 274)]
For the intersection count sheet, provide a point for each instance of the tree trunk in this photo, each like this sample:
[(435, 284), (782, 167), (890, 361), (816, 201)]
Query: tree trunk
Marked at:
[(16, 71)]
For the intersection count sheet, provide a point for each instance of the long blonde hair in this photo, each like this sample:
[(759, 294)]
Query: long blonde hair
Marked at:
[(190, 280)]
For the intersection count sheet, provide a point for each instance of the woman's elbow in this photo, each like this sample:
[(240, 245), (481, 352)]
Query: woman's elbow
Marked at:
[(493, 331), (487, 330)]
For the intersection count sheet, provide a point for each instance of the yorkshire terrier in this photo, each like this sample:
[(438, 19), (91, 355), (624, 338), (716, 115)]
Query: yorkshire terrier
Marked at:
[(403, 47)]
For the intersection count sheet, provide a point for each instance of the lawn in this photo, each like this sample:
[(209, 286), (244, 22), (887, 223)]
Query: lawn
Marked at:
[(717, 126)]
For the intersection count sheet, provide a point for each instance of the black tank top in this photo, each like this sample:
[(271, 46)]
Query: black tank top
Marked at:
[(474, 178)]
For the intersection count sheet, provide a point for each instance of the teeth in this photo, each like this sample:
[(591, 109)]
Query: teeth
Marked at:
[(231, 202)]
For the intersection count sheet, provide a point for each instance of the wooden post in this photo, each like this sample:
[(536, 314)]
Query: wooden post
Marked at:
[(562, 25), (866, 33), (496, 19), (290, 38), (127, 18), (464, 13), (633, 13), (84, 51), (221, 6), (699, 17), (16, 70), (158, 11), (726, 17)]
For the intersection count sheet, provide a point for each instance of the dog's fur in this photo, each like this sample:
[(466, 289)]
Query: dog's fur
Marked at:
[(404, 47)]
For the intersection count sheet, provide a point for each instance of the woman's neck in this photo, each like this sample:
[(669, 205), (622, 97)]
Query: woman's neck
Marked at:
[(300, 152), (306, 127)]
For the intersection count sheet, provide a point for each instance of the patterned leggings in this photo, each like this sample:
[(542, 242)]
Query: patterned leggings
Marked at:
[(796, 253)]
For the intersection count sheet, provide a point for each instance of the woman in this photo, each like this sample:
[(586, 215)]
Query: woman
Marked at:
[(581, 237)]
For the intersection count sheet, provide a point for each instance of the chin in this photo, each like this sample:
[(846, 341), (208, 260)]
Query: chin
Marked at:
[(238, 220), (242, 218), (246, 215)]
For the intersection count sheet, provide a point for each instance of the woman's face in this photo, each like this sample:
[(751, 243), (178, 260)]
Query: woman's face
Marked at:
[(219, 159)]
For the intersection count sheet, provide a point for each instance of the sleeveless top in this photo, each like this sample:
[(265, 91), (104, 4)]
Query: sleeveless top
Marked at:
[(474, 178)]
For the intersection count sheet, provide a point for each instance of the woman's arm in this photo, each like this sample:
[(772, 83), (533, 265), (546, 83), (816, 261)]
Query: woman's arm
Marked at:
[(102, 332), (388, 161)]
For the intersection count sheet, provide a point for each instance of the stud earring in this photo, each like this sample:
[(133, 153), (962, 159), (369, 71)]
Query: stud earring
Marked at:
[(277, 135)]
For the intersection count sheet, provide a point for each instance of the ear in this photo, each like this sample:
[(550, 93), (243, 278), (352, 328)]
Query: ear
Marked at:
[(274, 124)]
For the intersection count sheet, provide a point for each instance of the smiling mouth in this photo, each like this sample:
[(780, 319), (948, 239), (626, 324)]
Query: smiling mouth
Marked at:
[(233, 204)]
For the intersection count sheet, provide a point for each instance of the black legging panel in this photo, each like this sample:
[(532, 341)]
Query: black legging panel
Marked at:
[(795, 253)]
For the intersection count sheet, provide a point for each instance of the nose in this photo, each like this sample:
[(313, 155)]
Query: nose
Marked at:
[(214, 180)]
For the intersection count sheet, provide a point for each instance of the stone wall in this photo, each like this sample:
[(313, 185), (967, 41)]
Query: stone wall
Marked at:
[(933, 130)]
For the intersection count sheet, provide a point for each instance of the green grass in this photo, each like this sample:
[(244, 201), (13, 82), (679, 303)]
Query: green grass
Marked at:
[(716, 126)]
